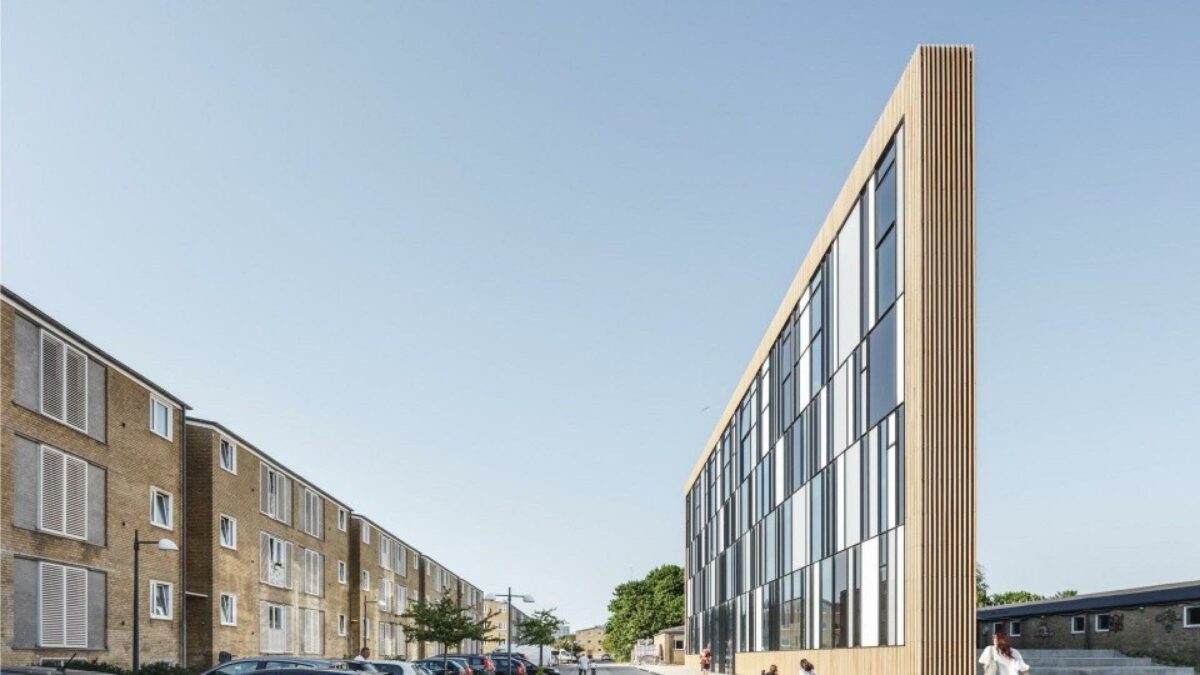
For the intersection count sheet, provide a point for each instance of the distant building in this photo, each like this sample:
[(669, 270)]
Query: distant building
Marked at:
[(668, 644), (1161, 622), (498, 637), (591, 639), (563, 631)]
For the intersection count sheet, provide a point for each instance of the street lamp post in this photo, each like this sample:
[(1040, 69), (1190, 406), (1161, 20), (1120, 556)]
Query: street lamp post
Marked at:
[(509, 599), (138, 543)]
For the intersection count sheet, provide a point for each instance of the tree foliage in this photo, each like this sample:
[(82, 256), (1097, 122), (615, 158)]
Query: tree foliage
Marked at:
[(569, 644), (641, 608), (983, 599), (1014, 598), (539, 630), (444, 623), (981, 586)]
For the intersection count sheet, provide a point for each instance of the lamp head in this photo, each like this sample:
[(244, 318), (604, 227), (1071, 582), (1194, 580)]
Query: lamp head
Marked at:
[(167, 545), (527, 598)]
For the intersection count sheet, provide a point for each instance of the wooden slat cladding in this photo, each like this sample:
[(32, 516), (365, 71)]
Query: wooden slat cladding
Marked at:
[(933, 106), (947, 338)]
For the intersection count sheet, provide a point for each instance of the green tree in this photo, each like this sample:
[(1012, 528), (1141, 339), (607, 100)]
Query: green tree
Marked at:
[(539, 630), (1014, 598), (444, 623), (1065, 594), (981, 586), (641, 608), (569, 644)]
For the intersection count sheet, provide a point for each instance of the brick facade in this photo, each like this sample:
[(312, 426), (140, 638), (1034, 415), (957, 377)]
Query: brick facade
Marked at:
[(386, 638), (214, 569), (131, 458)]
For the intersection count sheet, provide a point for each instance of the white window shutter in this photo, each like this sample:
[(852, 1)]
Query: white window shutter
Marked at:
[(76, 497), (53, 486), (76, 389), (76, 619), (264, 489), (285, 495), (264, 557), (287, 564), (52, 376), (52, 587)]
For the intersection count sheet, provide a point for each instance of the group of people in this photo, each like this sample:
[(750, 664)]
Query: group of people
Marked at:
[(587, 665), (998, 659)]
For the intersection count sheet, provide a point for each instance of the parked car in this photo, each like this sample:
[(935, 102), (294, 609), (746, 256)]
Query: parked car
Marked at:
[(258, 663), (400, 668), (605, 658), (480, 663), (453, 666), (506, 665), (531, 666)]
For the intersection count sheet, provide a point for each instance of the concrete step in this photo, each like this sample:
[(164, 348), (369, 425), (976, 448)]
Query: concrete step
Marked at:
[(1114, 670), (1027, 653), (1085, 661)]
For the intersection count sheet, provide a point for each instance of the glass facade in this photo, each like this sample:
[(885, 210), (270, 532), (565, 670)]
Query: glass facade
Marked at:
[(795, 522)]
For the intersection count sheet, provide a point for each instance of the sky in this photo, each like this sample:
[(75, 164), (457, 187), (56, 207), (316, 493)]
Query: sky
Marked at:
[(489, 272)]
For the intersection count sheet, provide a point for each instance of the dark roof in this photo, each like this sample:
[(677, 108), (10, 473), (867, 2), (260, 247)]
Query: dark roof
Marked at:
[(1131, 597), (672, 629), (30, 308)]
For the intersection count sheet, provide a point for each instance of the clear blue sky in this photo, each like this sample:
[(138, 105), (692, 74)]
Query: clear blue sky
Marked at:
[(489, 271)]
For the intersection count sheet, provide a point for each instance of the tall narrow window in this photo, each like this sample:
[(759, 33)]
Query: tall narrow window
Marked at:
[(228, 609), (160, 417), (341, 572), (63, 499), (342, 624), (276, 498), (314, 513), (228, 455), (62, 600), (161, 600), (228, 532), (161, 513), (341, 519)]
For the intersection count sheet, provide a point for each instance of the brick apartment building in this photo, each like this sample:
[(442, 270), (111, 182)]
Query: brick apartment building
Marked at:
[(498, 636), (386, 572), (591, 639), (92, 452), (268, 554), (269, 563)]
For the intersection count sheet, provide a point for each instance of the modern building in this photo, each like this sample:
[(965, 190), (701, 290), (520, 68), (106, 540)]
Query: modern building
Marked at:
[(387, 576), (830, 515), (267, 554), (591, 639), (92, 455), (1162, 622), (498, 637)]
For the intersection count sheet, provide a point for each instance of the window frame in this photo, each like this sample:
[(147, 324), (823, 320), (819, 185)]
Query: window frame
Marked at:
[(365, 579), (66, 347), (343, 573), (312, 523), (1096, 622), (154, 491), (1014, 628), (65, 457), (224, 441), (41, 599), (343, 521), (233, 521), (170, 600), (366, 532), (1194, 624), (1081, 631), (155, 398), (342, 625), (221, 609)]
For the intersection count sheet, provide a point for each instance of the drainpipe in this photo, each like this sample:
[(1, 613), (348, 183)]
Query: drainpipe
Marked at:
[(183, 540)]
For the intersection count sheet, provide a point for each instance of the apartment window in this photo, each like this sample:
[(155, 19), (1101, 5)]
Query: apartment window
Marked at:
[(366, 629), (310, 631), (228, 609), (228, 532), (63, 494), (342, 519), (342, 624), (385, 553), (276, 498), (366, 579), (678, 644), (64, 388), (314, 513), (277, 560), (385, 594), (997, 627), (1191, 617), (62, 601), (1103, 621), (160, 417), (1078, 624), (275, 620), (401, 599), (366, 533), (1014, 628), (228, 455), (161, 600), (314, 577), (160, 508), (341, 571)]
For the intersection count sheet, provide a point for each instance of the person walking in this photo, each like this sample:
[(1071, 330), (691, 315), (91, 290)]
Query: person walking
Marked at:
[(807, 668), (584, 661), (706, 659), (363, 654), (1000, 658)]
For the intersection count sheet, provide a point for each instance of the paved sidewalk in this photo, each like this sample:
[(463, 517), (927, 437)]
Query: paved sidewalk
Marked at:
[(667, 670)]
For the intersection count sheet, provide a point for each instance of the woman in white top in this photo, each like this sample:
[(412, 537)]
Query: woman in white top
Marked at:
[(1001, 658)]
